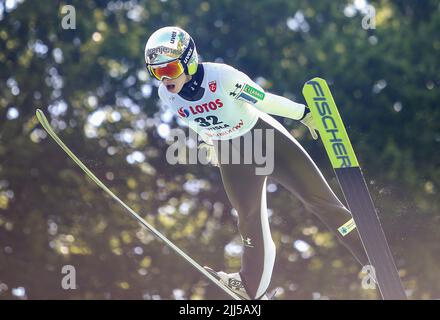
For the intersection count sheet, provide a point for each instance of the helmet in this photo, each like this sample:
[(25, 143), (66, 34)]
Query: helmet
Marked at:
[(170, 44)]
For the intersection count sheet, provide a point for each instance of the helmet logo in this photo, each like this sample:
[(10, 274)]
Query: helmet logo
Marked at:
[(188, 55), (162, 50), (173, 37)]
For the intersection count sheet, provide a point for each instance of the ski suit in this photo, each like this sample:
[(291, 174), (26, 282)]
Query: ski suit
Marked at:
[(225, 107)]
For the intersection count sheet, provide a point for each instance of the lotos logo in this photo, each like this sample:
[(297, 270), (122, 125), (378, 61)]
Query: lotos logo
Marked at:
[(200, 108), (183, 112), (212, 86)]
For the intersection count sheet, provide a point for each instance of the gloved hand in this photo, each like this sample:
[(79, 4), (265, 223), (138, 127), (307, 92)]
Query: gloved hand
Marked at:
[(310, 123), (211, 155)]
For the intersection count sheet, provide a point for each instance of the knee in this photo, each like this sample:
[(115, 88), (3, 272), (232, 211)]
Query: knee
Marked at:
[(248, 210)]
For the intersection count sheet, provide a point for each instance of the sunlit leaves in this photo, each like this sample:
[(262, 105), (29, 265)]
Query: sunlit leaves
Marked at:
[(94, 84)]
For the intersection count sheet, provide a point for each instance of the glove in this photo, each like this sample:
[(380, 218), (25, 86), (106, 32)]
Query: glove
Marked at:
[(211, 156), (310, 123)]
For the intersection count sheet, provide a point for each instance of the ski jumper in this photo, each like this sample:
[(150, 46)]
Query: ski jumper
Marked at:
[(221, 103)]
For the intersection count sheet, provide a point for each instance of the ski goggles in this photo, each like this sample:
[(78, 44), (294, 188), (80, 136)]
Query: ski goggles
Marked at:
[(171, 70)]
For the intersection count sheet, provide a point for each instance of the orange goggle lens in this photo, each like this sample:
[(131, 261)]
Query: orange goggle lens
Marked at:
[(171, 70)]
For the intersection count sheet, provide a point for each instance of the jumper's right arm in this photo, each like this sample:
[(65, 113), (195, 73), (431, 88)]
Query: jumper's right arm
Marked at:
[(243, 88)]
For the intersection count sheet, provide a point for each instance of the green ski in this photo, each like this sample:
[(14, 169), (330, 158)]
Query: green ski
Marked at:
[(352, 182)]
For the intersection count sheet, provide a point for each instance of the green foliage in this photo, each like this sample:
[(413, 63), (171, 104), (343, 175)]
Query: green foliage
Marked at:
[(92, 83)]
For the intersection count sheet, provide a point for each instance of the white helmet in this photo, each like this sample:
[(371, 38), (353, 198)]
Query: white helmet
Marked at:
[(169, 44)]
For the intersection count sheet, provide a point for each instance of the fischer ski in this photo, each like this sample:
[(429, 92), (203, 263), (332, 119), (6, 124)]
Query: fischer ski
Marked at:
[(44, 122), (354, 188)]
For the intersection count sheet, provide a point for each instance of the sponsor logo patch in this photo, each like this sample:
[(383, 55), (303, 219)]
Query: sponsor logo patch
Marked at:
[(246, 98), (185, 112), (232, 129), (247, 93), (254, 92), (237, 90), (212, 86), (347, 227)]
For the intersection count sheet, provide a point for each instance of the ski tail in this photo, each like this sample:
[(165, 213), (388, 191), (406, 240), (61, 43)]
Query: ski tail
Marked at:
[(350, 178), (45, 123)]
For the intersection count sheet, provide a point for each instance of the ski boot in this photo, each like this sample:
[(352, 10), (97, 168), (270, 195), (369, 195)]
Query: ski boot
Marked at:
[(233, 281)]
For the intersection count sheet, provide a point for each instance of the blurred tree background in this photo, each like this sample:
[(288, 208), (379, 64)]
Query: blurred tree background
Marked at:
[(92, 83)]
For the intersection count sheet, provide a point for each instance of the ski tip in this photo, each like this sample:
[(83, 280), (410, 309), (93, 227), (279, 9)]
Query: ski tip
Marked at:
[(311, 83), (212, 272), (315, 79), (40, 115)]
